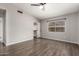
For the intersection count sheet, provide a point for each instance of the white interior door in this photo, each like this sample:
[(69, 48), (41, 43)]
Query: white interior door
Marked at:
[(1, 29)]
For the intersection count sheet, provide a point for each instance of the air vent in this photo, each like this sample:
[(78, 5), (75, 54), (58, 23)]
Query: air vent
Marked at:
[(19, 11)]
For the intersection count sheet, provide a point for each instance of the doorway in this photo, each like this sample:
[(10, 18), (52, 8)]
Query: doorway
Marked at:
[(35, 30), (2, 31), (35, 34), (2, 26)]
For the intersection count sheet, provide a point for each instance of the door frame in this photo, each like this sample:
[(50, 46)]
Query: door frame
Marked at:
[(4, 26)]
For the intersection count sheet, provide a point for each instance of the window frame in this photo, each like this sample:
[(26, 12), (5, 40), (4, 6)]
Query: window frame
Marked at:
[(56, 26)]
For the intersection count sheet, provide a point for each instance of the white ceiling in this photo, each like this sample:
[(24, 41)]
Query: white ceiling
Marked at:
[(51, 9)]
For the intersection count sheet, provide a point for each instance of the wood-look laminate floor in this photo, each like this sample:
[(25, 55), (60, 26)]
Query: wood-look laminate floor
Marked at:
[(43, 47)]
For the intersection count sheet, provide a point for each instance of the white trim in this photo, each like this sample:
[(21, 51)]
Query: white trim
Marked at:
[(62, 40), (11, 43)]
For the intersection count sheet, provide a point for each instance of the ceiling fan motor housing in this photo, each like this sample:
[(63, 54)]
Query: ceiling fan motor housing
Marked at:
[(42, 3)]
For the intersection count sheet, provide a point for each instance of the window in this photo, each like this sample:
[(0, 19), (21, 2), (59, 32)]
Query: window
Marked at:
[(56, 26)]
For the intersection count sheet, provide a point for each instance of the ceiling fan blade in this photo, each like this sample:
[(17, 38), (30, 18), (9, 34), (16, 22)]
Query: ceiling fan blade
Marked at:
[(38, 4), (35, 4)]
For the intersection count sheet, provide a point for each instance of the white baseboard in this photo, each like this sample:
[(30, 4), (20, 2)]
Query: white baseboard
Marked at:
[(62, 40), (11, 43)]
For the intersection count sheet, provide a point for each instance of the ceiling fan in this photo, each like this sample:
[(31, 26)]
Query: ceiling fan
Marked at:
[(40, 5)]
